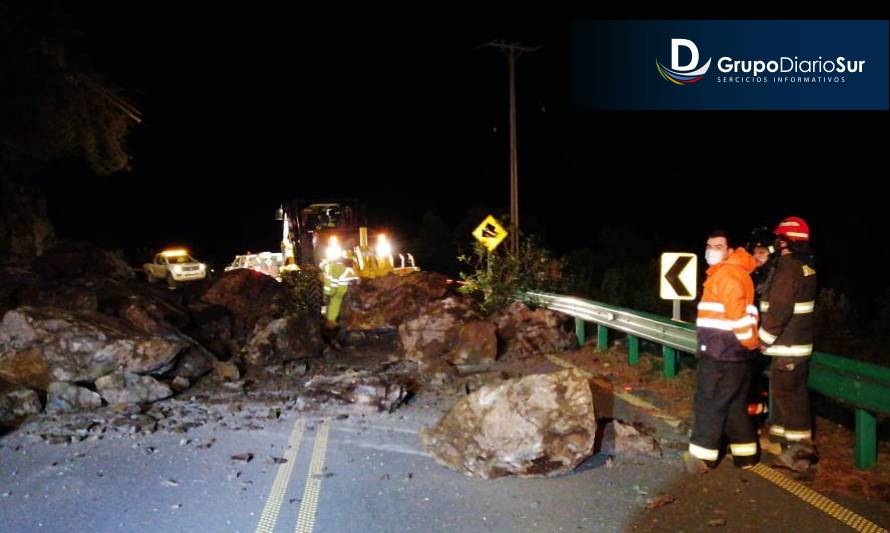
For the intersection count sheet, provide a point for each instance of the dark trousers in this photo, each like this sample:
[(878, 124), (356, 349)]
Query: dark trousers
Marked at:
[(721, 397), (790, 398)]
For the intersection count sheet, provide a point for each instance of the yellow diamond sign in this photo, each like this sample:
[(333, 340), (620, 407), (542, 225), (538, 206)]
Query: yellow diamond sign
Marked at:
[(490, 233)]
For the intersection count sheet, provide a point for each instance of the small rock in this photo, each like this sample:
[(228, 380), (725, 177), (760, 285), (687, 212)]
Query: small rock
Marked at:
[(226, 371), (717, 522), (660, 501), (180, 384), (242, 458), (170, 483)]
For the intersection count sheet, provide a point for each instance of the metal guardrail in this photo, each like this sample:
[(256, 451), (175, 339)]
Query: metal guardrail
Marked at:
[(865, 386)]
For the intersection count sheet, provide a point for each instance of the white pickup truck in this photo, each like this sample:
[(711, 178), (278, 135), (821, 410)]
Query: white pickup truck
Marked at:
[(174, 266)]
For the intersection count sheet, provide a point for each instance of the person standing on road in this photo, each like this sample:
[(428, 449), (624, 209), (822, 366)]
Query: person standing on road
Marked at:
[(727, 340)]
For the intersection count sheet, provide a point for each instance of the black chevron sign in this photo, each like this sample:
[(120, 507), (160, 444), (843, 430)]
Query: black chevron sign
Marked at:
[(673, 276), (678, 276)]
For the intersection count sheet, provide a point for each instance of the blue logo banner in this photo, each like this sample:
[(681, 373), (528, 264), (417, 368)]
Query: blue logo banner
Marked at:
[(731, 64)]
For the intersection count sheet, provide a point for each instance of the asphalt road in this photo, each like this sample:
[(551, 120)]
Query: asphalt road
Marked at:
[(369, 473)]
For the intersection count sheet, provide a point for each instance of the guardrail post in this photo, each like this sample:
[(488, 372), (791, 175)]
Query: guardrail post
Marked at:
[(669, 356), (866, 439), (602, 338), (633, 350), (580, 331)]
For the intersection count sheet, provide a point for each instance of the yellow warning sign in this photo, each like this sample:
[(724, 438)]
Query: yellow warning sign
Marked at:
[(490, 233)]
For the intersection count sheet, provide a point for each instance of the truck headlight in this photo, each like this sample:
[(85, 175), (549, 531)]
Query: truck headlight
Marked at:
[(177, 269)]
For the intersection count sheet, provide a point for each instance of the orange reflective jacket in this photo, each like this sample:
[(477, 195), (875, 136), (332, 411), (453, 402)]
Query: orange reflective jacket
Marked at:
[(727, 318)]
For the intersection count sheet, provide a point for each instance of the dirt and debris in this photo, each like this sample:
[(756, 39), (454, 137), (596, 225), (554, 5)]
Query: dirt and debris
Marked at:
[(660, 501)]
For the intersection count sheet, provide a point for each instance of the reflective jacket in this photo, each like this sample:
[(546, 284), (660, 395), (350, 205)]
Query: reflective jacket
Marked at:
[(727, 318), (787, 307)]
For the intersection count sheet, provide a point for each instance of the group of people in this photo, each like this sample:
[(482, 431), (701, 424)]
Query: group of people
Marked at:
[(757, 304)]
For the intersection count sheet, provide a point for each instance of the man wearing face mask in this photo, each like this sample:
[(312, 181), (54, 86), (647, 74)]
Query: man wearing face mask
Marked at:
[(727, 326), (786, 335)]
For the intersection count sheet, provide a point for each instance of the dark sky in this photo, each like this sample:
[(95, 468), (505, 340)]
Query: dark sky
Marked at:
[(245, 107)]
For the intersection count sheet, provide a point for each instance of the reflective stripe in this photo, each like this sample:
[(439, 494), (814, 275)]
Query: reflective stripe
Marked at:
[(801, 308), (743, 450), (746, 321), (766, 337), (712, 306), (798, 435), (752, 310), (726, 325), (801, 350), (778, 431), (714, 323), (798, 234), (804, 308), (791, 224), (745, 336), (703, 453)]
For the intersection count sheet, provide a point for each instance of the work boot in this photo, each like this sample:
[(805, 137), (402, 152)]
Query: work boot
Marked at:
[(745, 462), (329, 332), (769, 445), (797, 456), (696, 466)]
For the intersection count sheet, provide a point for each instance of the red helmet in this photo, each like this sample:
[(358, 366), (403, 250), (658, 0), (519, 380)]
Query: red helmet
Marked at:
[(793, 229)]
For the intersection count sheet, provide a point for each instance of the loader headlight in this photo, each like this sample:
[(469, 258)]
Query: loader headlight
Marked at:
[(333, 251), (384, 248)]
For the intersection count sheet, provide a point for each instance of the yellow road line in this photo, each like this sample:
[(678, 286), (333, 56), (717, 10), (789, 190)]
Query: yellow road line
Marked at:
[(309, 506), (279, 486), (832, 509), (835, 510), (627, 397)]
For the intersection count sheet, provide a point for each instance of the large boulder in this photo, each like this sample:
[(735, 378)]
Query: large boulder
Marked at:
[(249, 296), (193, 363), (66, 397), (19, 403), (387, 302), (284, 339), (538, 425), (624, 439), (212, 326), (477, 345), (434, 331), (379, 392), (523, 331), (124, 387), (38, 346)]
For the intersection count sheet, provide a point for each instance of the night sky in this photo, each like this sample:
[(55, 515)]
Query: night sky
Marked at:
[(247, 107)]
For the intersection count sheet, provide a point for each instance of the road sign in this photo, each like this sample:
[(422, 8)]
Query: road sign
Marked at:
[(490, 233), (679, 273)]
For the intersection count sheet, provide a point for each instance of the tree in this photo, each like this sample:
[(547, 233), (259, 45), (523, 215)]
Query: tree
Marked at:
[(53, 106)]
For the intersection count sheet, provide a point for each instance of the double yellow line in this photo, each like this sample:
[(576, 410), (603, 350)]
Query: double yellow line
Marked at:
[(309, 505)]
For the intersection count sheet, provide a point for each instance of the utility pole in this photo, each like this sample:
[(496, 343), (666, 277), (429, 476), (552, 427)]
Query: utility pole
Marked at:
[(512, 51)]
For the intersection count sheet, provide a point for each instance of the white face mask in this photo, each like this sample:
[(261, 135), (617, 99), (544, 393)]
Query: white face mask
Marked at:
[(714, 257)]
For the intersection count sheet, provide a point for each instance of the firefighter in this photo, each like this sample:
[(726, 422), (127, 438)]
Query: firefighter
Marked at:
[(786, 335), (727, 340)]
